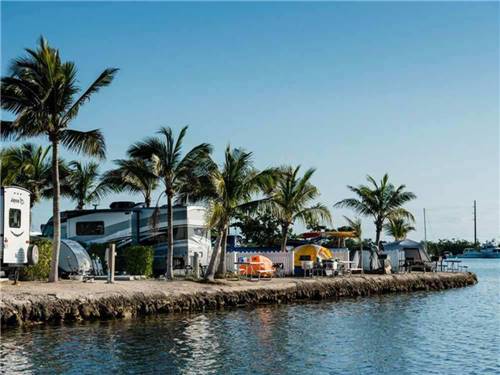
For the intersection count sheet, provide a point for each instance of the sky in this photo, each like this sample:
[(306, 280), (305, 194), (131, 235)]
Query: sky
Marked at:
[(352, 89)]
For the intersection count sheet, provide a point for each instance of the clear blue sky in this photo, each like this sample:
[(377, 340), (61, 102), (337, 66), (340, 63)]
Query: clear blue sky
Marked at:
[(411, 89)]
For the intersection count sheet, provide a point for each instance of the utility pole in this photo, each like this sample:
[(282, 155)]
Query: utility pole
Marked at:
[(425, 231), (475, 224)]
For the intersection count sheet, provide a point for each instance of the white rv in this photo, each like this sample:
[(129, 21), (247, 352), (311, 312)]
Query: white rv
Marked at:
[(15, 249), (126, 223)]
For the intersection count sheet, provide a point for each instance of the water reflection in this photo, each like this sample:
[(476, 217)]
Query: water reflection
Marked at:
[(451, 332)]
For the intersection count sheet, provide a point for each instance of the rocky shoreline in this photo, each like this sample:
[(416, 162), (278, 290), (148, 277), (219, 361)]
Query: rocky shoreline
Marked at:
[(34, 303)]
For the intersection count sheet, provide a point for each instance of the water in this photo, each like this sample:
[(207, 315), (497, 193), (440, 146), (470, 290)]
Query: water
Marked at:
[(450, 332)]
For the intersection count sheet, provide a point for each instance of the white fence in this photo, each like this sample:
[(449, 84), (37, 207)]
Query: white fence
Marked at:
[(286, 258), (341, 254), (275, 256)]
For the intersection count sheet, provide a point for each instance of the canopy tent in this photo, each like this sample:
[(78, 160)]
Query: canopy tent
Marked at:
[(334, 234), (329, 238), (405, 249), (311, 252)]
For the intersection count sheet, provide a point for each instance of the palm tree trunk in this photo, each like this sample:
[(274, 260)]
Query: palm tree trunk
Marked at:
[(221, 272), (56, 219), (147, 200), (284, 236), (209, 275), (170, 238), (361, 254), (377, 236)]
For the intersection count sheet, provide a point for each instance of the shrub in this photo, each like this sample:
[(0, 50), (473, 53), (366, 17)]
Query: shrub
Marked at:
[(41, 270), (139, 260)]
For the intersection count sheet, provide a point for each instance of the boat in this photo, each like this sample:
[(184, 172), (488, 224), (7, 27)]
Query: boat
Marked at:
[(487, 250)]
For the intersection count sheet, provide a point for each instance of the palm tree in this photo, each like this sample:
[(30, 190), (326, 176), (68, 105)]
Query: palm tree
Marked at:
[(233, 188), (28, 166), (290, 199), (41, 92), (379, 201), (134, 176), (356, 226), (398, 227), (82, 184), (165, 154)]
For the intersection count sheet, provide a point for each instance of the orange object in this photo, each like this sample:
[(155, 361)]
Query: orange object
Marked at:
[(258, 264)]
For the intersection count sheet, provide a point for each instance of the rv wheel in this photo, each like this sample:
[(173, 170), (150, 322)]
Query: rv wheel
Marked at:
[(32, 255)]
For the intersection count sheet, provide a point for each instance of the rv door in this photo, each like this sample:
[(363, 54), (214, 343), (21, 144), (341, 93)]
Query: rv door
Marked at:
[(15, 225)]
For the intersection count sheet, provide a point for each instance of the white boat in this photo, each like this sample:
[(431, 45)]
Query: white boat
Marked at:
[(487, 250)]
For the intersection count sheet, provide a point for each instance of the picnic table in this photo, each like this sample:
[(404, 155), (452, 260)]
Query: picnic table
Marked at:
[(249, 265), (452, 264)]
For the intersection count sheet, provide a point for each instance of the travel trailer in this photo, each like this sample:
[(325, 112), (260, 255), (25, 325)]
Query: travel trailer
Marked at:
[(15, 249), (127, 223), (74, 259)]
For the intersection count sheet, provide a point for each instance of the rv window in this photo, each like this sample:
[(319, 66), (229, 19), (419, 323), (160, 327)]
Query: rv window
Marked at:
[(200, 231), (89, 228), (14, 218), (180, 233)]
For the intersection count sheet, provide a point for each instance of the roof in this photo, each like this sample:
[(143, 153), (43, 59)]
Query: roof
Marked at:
[(404, 244)]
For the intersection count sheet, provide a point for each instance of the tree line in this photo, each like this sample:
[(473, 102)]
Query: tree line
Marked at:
[(41, 92)]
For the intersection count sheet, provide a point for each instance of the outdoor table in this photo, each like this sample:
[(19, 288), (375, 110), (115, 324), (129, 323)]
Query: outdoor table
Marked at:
[(238, 268), (248, 264), (453, 261)]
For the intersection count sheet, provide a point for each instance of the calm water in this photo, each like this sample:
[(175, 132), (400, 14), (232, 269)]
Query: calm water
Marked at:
[(450, 332)]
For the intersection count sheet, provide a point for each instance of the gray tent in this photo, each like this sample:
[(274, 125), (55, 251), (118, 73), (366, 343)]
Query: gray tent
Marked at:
[(405, 250)]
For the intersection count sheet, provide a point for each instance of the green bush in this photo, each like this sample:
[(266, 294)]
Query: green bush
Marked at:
[(41, 270), (139, 260)]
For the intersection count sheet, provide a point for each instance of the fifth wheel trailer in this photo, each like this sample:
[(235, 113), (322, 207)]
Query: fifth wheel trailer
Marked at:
[(127, 223), (15, 249)]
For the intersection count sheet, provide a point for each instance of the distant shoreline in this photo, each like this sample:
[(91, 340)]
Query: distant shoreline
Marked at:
[(68, 301)]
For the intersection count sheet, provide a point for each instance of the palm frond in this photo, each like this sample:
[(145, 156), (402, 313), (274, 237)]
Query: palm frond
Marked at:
[(90, 142), (104, 79)]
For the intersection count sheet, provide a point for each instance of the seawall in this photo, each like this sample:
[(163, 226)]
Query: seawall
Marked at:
[(34, 303)]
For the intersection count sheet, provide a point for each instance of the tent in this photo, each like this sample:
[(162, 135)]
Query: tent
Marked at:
[(257, 264), (310, 252), (404, 250)]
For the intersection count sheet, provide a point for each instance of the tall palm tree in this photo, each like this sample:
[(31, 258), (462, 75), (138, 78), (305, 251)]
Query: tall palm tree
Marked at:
[(234, 189), (398, 227), (82, 184), (41, 91), (357, 227), (165, 154), (134, 176), (379, 201), (28, 166), (291, 198)]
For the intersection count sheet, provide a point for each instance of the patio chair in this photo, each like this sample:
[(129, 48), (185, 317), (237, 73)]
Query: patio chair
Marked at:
[(279, 269)]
